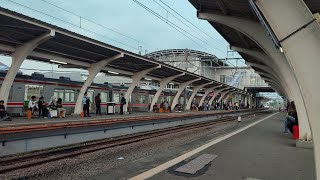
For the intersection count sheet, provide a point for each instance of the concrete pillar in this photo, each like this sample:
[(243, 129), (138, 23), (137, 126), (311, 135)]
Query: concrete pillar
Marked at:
[(182, 86), (163, 84), (224, 93), (195, 91), (216, 92), (227, 96), (93, 70), (299, 35), (136, 77), (276, 76), (18, 56), (206, 92), (278, 61)]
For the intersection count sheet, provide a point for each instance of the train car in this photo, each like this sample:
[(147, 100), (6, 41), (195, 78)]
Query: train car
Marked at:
[(25, 86)]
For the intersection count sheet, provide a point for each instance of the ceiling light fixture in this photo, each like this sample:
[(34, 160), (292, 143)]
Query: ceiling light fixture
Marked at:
[(59, 62)]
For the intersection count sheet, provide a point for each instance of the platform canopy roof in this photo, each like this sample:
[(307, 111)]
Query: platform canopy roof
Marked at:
[(80, 51), (240, 9)]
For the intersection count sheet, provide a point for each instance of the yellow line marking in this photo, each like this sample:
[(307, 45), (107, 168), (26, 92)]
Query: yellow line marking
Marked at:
[(185, 156)]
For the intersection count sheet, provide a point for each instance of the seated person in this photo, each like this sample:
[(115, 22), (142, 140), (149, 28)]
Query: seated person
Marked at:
[(3, 113), (33, 105), (61, 111), (53, 107), (155, 108), (43, 111), (291, 119), (166, 106)]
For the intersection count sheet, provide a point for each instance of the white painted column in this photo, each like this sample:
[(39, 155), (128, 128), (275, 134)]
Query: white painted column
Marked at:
[(163, 84), (19, 55), (224, 93), (227, 96), (182, 86), (278, 62), (195, 91), (216, 93), (93, 70), (299, 35), (206, 92), (136, 77)]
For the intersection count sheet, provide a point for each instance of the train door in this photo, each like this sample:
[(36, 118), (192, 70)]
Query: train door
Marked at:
[(150, 99), (104, 99), (91, 95), (32, 90)]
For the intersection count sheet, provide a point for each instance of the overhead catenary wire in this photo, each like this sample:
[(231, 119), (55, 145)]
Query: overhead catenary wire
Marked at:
[(75, 25), (169, 23), (183, 17), (197, 32), (179, 14), (173, 25), (98, 24)]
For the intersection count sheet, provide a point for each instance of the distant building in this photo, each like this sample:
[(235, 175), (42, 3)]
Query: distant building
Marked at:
[(210, 66), (194, 61)]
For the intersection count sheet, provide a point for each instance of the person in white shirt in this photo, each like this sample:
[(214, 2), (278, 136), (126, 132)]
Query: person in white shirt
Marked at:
[(33, 104)]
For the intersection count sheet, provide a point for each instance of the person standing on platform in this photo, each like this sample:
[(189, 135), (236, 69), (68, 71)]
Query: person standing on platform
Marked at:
[(122, 103), (97, 100), (86, 105)]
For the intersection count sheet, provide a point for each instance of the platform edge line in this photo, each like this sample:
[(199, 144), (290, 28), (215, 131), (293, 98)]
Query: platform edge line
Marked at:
[(168, 164)]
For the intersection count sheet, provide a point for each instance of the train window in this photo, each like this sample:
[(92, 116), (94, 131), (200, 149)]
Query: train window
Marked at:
[(65, 95), (32, 90), (142, 99), (116, 97), (104, 97), (90, 93), (151, 98), (69, 96), (169, 99), (161, 99), (59, 94)]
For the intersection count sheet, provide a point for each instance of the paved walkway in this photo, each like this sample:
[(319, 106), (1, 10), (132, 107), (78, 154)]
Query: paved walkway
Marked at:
[(260, 152)]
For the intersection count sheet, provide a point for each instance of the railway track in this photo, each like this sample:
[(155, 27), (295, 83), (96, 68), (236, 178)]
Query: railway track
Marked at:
[(11, 163), (42, 127)]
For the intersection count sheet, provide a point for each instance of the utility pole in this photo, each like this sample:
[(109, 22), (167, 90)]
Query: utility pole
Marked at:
[(186, 54)]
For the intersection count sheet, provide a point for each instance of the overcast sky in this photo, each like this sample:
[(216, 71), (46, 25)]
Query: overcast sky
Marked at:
[(139, 28)]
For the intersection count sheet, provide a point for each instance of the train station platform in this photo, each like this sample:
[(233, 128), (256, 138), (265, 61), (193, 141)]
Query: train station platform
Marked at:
[(259, 152), (23, 121), (21, 135)]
